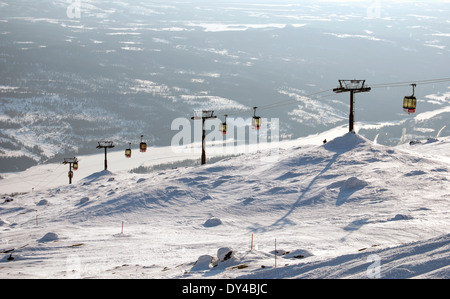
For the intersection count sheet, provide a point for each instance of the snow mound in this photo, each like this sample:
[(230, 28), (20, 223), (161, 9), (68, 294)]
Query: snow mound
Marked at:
[(49, 237), (225, 253), (3, 222), (203, 263), (212, 222), (401, 217), (7, 198), (84, 200), (354, 183), (42, 202), (415, 172), (346, 142), (431, 140), (226, 256), (96, 176), (350, 184)]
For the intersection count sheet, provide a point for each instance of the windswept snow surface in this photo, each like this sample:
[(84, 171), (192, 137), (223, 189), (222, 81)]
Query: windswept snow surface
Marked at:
[(345, 209)]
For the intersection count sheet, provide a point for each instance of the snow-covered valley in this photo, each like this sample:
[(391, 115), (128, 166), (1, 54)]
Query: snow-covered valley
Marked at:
[(345, 209)]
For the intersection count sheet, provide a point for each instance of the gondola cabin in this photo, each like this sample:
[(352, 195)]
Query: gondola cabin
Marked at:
[(142, 146), (409, 102), (223, 126), (75, 166), (128, 153), (70, 174), (256, 120)]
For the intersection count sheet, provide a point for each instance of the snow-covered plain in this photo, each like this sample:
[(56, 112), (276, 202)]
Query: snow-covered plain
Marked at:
[(345, 209)]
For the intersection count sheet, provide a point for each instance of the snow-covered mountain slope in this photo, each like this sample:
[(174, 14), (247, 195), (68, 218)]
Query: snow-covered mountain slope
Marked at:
[(345, 209)]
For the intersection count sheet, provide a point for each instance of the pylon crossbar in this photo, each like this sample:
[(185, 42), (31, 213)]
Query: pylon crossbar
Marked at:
[(105, 144), (201, 114), (70, 160), (351, 85)]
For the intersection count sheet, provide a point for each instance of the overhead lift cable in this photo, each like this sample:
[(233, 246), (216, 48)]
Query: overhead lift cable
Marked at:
[(419, 82), (380, 85)]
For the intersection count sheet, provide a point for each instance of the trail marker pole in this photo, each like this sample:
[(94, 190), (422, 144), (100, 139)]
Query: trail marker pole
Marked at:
[(352, 86), (275, 252)]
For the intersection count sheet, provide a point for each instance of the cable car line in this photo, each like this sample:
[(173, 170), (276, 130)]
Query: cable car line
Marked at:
[(48, 176), (295, 101), (380, 85), (286, 102), (409, 102), (281, 103), (419, 82)]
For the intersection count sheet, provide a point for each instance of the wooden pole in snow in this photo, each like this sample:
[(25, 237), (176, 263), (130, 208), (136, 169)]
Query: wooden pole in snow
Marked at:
[(251, 246), (275, 252)]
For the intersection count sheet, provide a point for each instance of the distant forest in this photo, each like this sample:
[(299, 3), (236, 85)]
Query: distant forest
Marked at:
[(9, 164)]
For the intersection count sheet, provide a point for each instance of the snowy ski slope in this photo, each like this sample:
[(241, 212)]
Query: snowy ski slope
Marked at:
[(345, 209)]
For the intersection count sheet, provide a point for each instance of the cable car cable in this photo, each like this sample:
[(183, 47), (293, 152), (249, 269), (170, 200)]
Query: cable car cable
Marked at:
[(418, 82), (380, 85), (53, 171), (280, 103)]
